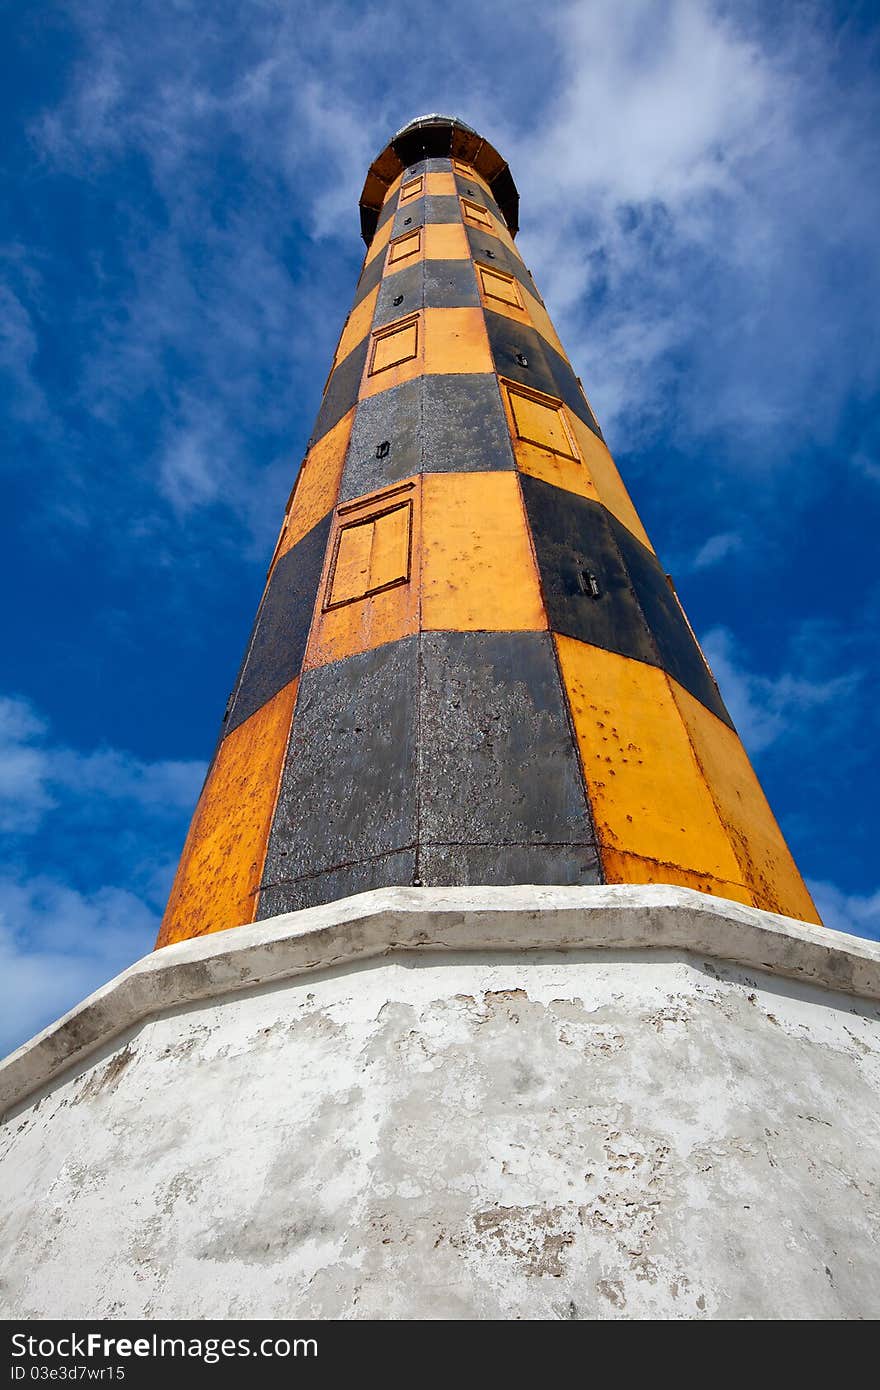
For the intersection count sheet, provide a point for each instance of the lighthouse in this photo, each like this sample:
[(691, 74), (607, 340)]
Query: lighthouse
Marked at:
[(468, 665), (488, 986)]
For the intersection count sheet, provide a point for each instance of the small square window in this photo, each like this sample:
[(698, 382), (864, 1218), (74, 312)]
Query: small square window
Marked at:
[(397, 343), (475, 214), (411, 189), (541, 420), (371, 554), (496, 285), (405, 246)]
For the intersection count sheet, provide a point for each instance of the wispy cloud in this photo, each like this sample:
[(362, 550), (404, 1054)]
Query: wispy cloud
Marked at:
[(767, 708), (57, 945), (857, 913), (716, 549), (36, 774), (104, 811)]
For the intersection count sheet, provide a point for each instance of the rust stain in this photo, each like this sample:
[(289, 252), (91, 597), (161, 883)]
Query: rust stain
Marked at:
[(478, 572), (221, 865), (647, 792)]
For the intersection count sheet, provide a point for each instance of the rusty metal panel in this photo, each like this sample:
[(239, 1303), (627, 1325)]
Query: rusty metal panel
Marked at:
[(394, 344), (478, 572), (378, 244), (591, 473), (388, 209), (357, 326), (465, 144), (446, 241), (520, 353), (385, 444), (635, 612), (371, 553), (439, 183), (348, 789), (463, 424), (314, 494), (488, 249), (618, 867), (342, 390), (375, 190), (411, 188), (498, 759), (222, 862), (569, 388), (395, 870), (442, 284), (450, 285), (500, 286), (455, 341), (677, 647), (540, 420), (647, 791), (469, 185), (573, 540), (542, 321), (367, 595), (449, 865), (278, 642), (766, 863), (370, 276), (405, 248), (410, 218), (475, 214), (606, 479), (433, 207), (400, 294)]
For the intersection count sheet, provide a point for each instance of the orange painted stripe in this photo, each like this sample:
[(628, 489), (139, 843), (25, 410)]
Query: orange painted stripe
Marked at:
[(219, 874)]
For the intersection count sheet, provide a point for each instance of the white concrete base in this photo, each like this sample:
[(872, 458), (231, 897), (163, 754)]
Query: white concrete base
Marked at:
[(471, 1103)]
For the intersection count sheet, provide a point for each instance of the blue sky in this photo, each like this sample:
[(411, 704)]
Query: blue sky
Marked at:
[(700, 206)]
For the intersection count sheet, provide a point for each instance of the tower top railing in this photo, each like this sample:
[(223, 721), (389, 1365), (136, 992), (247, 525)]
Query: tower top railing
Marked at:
[(437, 137)]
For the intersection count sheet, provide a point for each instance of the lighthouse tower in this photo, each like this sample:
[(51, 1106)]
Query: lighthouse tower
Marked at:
[(487, 986), (468, 665)]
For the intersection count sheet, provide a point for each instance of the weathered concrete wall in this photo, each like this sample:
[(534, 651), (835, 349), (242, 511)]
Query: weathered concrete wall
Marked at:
[(462, 1135)]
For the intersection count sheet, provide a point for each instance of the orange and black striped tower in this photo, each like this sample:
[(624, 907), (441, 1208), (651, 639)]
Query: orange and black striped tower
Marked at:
[(468, 665)]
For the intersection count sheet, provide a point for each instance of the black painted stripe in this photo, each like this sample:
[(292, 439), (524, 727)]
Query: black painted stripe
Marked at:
[(278, 640), (435, 424), (490, 250), (545, 369), (348, 789), (635, 614), (342, 390), (497, 759), (388, 209), (432, 207), (494, 794), (476, 193), (370, 277)]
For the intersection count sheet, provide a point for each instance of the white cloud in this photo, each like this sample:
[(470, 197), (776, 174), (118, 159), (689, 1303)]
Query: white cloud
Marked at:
[(857, 913), (766, 708), (35, 774), (716, 549), (58, 945), (18, 350)]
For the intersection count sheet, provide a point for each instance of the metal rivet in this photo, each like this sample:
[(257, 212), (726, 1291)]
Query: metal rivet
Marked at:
[(398, 299), (383, 449)]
